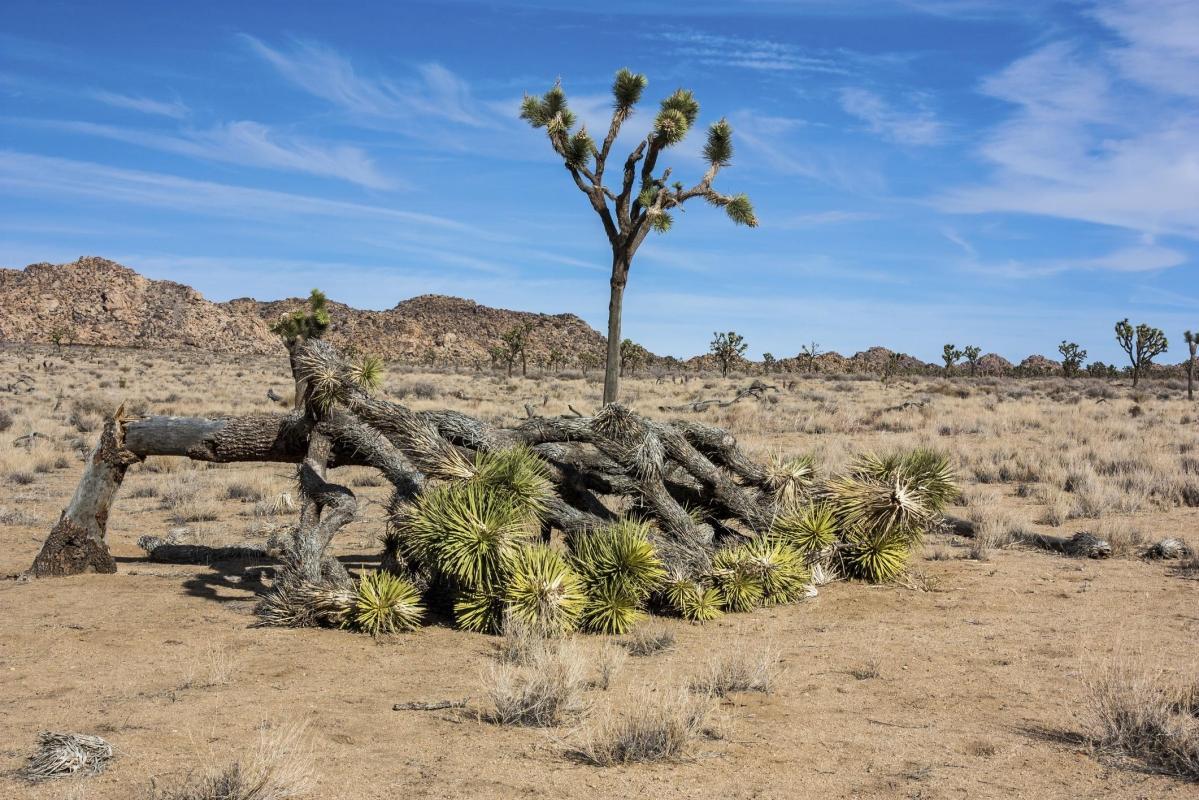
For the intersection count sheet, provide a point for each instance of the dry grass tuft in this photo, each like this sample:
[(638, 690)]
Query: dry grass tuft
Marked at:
[(651, 725), (649, 639), (61, 754), (279, 768), (740, 669), (1141, 713), (545, 690)]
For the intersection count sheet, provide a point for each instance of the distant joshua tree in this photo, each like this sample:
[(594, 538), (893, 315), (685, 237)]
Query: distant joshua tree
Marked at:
[(1192, 342), (497, 353), (808, 353), (727, 347), (632, 355), (1072, 358), (588, 360), (950, 354), (643, 200), (60, 335), (1142, 344), (768, 363), (972, 354), (516, 345)]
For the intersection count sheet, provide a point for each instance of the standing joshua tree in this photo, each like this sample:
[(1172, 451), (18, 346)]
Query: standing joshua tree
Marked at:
[(643, 200), (972, 353), (950, 355), (808, 353), (632, 355), (768, 363), (1192, 342), (1072, 358), (587, 360), (516, 345), (1142, 344), (727, 347)]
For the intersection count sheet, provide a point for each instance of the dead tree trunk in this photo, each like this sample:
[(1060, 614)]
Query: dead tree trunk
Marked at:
[(77, 543), (692, 478)]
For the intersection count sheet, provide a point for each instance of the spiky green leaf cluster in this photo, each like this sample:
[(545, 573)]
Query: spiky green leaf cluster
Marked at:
[(467, 532), (779, 567), (305, 323), (738, 583), (790, 479), (810, 529), (627, 89), (866, 504), (661, 222), (620, 569), (479, 611), (878, 556), (670, 126), (684, 102), (741, 211), (367, 372), (543, 591), (691, 599), (548, 111), (579, 149), (927, 473), (517, 473), (718, 150), (384, 603)]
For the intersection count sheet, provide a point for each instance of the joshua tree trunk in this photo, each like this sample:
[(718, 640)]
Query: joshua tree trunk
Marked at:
[(612, 368), (1191, 375)]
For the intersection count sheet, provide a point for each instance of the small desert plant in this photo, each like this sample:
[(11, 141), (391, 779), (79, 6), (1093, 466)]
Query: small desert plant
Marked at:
[(608, 665), (1139, 713), (738, 669), (737, 581), (811, 529), (620, 569), (789, 479), (651, 726), (543, 592), (690, 599), (779, 567), (279, 768), (384, 603), (649, 639), (545, 691), (878, 556), (517, 473)]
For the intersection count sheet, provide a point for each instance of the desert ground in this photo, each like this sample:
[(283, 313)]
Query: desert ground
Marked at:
[(972, 678)]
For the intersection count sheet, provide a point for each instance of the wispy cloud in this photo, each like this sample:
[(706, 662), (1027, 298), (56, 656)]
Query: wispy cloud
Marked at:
[(911, 124), (746, 53), (1106, 134), (249, 144), (822, 218), (774, 142), (1136, 258), (175, 109), (325, 73)]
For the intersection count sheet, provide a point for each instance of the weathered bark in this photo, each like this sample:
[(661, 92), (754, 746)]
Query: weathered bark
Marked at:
[(166, 552), (620, 277), (77, 543)]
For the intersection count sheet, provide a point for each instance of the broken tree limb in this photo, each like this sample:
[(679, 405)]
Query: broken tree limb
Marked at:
[(166, 552), (77, 543), (757, 390)]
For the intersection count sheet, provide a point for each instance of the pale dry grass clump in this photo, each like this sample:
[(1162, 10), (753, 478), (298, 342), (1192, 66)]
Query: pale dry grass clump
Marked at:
[(547, 689), (646, 640), (651, 725), (1139, 712), (738, 669), (280, 767), (60, 755)]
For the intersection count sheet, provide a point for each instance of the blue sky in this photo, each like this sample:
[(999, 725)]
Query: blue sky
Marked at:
[(1002, 174)]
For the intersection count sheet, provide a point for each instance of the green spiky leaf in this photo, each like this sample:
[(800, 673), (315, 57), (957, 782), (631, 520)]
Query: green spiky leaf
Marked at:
[(810, 529), (543, 592), (779, 567), (661, 222), (627, 89), (670, 126), (620, 556), (684, 102), (367, 372), (878, 557), (519, 474), (611, 611), (479, 611), (718, 150), (741, 211), (579, 149), (384, 603), (739, 584)]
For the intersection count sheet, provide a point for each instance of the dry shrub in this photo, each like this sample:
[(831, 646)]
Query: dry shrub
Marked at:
[(651, 725), (545, 690), (739, 669), (649, 639), (1140, 712), (608, 665), (279, 768)]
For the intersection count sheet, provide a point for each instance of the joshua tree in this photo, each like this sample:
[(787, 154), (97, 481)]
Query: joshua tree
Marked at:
[(516, 345), (727, 347), (299, 327), (554, 359), (971, 354), (808, 353), (498, 354), (588, 360), (891, 367), (61, 334), (1142, 344), (951, 355), (632, 355), (1072, 358), (768, 363), (642, 200), (1192, 342)]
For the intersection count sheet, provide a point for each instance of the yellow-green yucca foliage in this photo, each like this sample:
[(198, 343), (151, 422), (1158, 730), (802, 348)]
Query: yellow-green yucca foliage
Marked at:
[(690, 599), (610, 610), (479, 610), (517, 472), (878, 556), (383, 603), (467, 532), (926, 472), (620, 568), (736, 580), (543, 591), (811, 529), (780, 568), (789, 480), (865, 504)]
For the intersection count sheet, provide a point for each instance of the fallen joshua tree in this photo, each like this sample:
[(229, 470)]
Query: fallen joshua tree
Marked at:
[(474, 509)]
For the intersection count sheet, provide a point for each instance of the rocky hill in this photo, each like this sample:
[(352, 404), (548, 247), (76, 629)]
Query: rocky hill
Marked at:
[(94, 301)]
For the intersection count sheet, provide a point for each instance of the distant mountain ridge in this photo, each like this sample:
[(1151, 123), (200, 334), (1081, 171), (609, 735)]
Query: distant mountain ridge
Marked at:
[(95, 301)]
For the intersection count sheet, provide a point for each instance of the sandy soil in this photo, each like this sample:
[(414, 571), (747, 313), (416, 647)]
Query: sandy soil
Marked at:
[(969, 687)]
